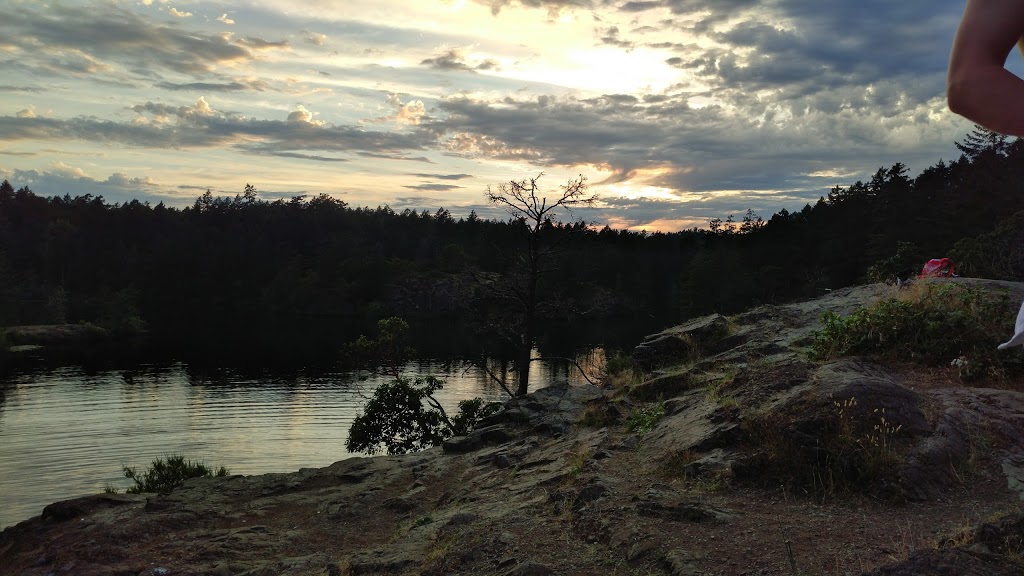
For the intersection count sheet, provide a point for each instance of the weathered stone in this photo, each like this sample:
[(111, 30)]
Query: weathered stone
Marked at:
[(496, 434), (682, 563), (641, 549), (461, 444), (1013, 467), (690, 424), (664, 386), (686, 342)]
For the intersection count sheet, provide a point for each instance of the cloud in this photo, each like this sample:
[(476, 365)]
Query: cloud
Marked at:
[(434, 187), (408, 113), (80, 40), (611, 38), (175, 12), (314, 38), (200, 125), (455, 60), (301, 115), (29, 112), (233, 86), (443, 176), (416, 203), (395, 156), (224, 18), (679, 146), (554, 7), (261, 44), (21, 89), (411, 113), (60, 179), (308, 157)]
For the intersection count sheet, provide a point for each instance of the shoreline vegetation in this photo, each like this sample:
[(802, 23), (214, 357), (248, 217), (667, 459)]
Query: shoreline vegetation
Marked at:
[(241, 279)]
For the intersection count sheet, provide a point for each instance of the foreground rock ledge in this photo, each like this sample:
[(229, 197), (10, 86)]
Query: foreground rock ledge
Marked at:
[(532, 492)]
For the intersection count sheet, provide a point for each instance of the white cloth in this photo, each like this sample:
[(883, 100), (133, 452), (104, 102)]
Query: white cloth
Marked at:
[(1018, 331)]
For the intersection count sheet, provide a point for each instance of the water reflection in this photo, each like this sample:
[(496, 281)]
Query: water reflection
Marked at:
[(66, 433)]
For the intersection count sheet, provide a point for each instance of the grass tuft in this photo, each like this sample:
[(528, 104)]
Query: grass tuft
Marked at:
[(164, 475), (642, 420)]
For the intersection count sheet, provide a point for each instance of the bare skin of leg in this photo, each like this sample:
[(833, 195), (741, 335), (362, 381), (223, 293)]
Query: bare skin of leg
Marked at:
[(978, 86)]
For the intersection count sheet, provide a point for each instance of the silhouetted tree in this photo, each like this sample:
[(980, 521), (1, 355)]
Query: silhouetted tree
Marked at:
[(982, 140), (533, 217)]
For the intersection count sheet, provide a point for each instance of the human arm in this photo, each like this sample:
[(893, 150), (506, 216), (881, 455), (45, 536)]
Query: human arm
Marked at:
[(978, 86)]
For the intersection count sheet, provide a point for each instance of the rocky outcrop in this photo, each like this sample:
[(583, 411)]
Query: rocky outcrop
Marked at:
[(735, 455)]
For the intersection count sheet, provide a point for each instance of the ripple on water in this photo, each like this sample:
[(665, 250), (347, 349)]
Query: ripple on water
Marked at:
[(66, 433)]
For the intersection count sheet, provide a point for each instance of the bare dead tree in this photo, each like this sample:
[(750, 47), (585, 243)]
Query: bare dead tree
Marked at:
[(536, 214)]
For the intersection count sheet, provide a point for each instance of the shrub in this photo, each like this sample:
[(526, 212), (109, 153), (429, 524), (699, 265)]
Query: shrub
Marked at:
[(851, 450), (621, 371), (163, 476), (618, 363), (642, 420), (598, 414), (931, 324), (403, 416), (998, 254)]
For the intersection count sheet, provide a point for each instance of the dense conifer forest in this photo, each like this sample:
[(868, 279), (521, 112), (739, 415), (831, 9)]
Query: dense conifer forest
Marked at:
[(233, 278)]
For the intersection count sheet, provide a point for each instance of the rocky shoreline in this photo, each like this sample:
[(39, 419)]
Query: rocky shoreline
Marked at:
[(563, 481)]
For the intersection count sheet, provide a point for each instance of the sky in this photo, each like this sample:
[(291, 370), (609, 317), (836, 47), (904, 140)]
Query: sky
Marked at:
[(675, 111)]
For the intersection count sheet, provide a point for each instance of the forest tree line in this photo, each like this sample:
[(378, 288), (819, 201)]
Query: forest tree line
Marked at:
[(234, 278)]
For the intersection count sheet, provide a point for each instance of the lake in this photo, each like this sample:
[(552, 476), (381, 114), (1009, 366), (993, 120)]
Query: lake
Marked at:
[(66, 433)]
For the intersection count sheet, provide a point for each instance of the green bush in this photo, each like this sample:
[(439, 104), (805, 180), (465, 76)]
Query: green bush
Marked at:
[(931, 324), (403, 416), (163, 476), (642, 420)]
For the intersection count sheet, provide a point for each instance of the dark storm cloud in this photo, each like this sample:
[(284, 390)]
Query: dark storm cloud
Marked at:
[(80, 39)]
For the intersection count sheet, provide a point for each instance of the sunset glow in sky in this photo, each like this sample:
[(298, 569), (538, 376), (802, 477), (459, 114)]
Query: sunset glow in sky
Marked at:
[(677, 111)]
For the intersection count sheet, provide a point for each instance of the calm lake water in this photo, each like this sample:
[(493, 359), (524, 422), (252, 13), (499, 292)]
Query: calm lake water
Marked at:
[(65, 433)]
